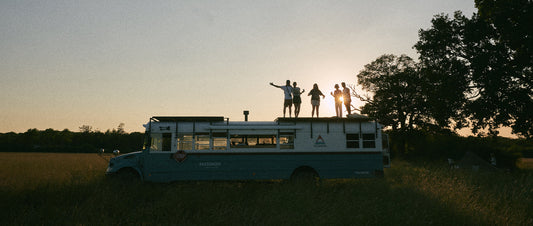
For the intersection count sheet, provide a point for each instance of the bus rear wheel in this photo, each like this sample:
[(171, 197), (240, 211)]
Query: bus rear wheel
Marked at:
[(304, 175)]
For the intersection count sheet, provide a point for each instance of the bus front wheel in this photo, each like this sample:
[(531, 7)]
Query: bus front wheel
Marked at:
[(127, 174)]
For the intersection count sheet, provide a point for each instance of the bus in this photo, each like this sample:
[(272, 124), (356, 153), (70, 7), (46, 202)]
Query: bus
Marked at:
[(181, 148)]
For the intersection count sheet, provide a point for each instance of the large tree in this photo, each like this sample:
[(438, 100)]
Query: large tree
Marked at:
[(511, 22), (396, 96), (471, 72), (475, 75), (443, 66)]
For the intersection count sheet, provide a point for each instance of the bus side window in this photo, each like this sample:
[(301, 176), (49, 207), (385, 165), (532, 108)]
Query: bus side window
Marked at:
[(352, 140), (167, 142), (202, 141), (184, 141), (286, 141), (220, 141), (238, 141), (267, 141), (157, 142), (161, 142), (369, 140)]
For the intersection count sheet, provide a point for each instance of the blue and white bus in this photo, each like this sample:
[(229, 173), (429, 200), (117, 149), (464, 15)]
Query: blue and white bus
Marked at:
[(213, 148)]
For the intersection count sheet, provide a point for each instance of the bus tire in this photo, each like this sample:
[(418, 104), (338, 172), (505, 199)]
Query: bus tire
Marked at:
[(304, 175), (128, 174)]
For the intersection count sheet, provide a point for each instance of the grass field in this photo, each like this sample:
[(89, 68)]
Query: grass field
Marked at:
[(71, 189)]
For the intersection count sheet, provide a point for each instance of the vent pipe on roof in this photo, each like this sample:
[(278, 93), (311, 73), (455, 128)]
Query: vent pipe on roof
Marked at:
[(246, 113)]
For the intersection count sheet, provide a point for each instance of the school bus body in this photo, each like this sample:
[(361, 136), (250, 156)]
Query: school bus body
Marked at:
[(212, 148)]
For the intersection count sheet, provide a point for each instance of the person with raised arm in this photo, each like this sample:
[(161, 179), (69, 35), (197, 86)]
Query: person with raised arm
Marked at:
[(287, 90)]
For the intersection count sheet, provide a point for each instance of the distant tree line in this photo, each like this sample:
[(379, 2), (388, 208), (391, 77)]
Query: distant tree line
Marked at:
[(472, 72), (439, 145), (85, 141)]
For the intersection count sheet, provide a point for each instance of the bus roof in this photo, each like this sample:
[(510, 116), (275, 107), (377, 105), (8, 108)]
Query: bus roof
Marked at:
[(331, 119), (357, 118), (188, 118)]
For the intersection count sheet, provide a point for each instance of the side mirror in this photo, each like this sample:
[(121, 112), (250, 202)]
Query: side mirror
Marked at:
[(116, 152)]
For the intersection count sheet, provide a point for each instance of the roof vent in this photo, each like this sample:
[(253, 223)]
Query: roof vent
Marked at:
[(246, 113)]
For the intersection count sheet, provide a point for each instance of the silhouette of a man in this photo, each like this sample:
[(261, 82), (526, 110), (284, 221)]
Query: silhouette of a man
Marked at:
[(346, 98), (287, 90), (296, 99)]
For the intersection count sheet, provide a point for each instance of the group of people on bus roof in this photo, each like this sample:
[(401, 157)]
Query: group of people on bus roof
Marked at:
[(292, 96)]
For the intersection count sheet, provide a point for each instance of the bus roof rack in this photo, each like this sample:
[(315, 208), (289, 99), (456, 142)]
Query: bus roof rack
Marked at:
[(188, 119), (329, 119)]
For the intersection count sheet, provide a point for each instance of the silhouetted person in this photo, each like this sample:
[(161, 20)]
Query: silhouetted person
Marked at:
[(287, 90), (296, 99), (337, 94), (315, 94), (346, 98)]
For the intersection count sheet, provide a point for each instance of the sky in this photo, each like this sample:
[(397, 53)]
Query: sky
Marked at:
[(64, 64)]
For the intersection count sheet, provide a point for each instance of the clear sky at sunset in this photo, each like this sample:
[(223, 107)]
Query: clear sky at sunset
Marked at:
[(64, 64)]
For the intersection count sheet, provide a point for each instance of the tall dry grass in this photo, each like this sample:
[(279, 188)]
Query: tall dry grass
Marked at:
[(486, 197), (70, 189), (27, 171)]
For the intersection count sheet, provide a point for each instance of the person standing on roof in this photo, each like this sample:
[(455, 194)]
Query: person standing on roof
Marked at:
[(346, 98), (296, 99), (287, 90), (315, 94), (337, 94)]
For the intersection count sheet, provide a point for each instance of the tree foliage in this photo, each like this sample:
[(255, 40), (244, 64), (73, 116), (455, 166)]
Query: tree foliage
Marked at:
[(483, 80), (397, 99), (473, 72), (443, 67), (511, 22)]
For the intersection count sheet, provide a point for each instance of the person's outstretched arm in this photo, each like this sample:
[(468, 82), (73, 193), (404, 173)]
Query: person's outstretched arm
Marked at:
[(272, 84)]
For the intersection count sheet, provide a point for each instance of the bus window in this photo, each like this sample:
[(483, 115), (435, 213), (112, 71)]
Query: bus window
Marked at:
[(220, 141), (157, 142), (253, 141), (352, 140), (161, 142), (167, 142), (266, 141), (238, 141), (286, 141), (202, 141), (369, 140), (184, 141)]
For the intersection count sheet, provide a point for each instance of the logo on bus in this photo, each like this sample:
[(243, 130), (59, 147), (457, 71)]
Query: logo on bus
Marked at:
[(180, 156), (320, 142)]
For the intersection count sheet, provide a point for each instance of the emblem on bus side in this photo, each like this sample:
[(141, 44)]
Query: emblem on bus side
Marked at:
[(320, 142), (180, 156)]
